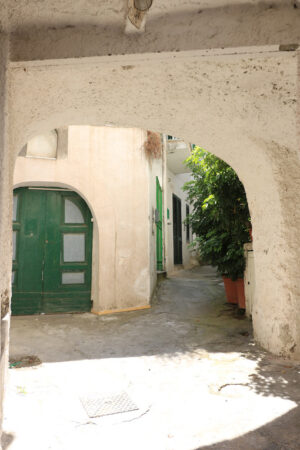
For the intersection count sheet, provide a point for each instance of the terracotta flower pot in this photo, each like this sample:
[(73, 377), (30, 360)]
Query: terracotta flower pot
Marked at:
[(241, 293), (230, 289), (250, 232)]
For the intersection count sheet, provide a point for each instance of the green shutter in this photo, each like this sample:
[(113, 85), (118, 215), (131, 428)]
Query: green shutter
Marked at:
[(159, 222)]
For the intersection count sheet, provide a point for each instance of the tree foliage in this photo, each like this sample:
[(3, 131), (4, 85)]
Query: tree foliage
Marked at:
[(220, 216)]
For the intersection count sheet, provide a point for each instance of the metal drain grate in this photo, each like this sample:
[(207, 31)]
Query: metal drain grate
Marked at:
[(96, 406)]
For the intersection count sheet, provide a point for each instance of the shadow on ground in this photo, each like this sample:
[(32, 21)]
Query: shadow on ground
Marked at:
[(190, 333), (280, 434), (188, 314)]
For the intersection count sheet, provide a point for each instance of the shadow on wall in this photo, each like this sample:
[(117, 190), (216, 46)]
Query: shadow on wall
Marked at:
[(6, 440)]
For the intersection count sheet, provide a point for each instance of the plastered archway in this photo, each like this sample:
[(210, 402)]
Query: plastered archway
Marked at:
[(241, 107)]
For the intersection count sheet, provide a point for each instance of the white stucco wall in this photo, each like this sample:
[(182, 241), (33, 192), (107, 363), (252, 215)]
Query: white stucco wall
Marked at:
[(170, 184), (208, 98), (249, 278), (6, 170), (108, 168), (174, 186), (155, 170)]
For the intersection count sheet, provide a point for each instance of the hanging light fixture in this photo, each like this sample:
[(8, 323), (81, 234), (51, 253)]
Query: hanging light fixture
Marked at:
[(143, 5)]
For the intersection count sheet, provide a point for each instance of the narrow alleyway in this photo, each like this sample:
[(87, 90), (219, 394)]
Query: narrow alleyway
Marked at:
[(189, 364)]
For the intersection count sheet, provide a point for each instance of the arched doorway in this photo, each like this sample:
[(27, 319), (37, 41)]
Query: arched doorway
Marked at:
[(52, 252)]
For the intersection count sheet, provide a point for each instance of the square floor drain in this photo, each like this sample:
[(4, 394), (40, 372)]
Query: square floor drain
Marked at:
[(96, 406)]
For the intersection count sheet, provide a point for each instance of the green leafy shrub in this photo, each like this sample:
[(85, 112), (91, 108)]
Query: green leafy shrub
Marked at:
[(220, 217)]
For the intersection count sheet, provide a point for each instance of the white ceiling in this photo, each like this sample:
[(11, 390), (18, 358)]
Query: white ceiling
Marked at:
[(24, 14)]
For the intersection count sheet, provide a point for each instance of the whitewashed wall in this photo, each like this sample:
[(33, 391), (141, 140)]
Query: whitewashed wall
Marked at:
[(155, 170), (174, 186), (108, 168)]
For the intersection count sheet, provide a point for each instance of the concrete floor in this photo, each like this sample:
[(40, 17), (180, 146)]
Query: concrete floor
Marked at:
[(189, 364)]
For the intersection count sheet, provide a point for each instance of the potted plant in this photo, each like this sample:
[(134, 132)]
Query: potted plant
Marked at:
[(235, 266), (224, 250)]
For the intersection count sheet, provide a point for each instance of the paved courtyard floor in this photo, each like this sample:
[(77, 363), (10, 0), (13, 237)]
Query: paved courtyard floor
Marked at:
[(189, 364)]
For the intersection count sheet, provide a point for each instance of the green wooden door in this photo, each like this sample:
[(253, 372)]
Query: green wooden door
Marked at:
[(52, 252), (159, 222)]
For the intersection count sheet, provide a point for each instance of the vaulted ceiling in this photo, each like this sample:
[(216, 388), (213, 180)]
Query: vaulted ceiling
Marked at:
[(18, 15)]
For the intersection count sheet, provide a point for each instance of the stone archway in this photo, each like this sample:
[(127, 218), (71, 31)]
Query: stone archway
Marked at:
[(233, 105), (242, 107)]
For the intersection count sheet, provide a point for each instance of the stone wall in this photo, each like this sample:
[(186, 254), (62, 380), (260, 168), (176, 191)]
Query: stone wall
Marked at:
[(5, 217)]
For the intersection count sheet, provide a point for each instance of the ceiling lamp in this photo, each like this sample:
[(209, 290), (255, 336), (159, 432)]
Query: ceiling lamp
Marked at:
[(143, 5)]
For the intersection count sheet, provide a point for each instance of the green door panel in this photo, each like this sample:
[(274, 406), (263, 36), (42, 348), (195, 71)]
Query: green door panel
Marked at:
[(47, 279), (61, 292), (159, 230), (28, 229)]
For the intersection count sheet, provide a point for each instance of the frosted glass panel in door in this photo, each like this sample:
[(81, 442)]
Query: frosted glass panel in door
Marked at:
[(15, 207), (73, 278), (72, 212), (14, 245), (74, 247)]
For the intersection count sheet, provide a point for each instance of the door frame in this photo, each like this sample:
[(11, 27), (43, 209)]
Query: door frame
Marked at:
[(159, 227), (177, 245), (72, 290)]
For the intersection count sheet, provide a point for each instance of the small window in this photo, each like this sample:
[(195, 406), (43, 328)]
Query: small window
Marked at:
[(74, 247), (72, 212), (187, 225), (43, 146)]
